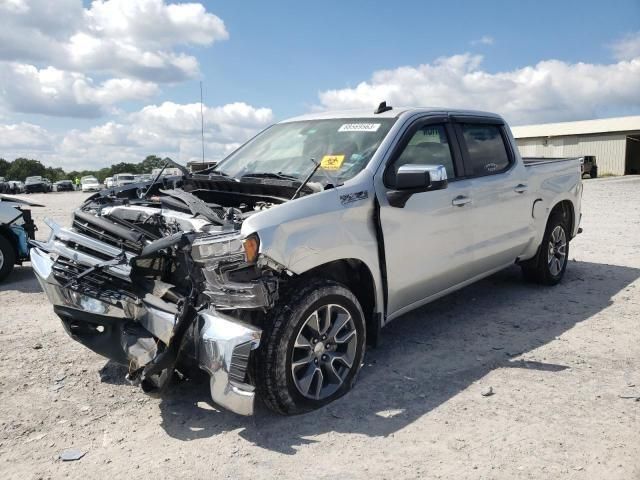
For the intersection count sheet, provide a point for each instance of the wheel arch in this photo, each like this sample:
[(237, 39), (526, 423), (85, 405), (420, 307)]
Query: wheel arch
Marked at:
[(356, 275), (567, 210)]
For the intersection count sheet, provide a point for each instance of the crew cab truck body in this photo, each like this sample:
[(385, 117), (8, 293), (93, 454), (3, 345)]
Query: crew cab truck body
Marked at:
[(275, 269)]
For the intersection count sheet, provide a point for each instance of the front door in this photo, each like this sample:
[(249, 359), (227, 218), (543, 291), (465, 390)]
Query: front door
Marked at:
[(426, 236)]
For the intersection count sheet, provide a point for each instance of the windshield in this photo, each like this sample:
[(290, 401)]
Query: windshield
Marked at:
[(90, 180), (33, 179), (126, 177), (343, 147)]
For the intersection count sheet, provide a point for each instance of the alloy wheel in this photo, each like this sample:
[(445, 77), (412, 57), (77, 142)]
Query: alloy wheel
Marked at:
[(557, 254), (324, 352)]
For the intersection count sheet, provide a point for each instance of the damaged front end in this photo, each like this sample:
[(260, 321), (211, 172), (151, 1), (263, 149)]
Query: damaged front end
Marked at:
[(160, 278)]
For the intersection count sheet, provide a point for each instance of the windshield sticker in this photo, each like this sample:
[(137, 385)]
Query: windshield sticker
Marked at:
[(332, 162), (359, 127)]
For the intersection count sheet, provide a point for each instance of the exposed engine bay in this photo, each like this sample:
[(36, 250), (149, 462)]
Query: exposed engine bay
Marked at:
[(156, 275)]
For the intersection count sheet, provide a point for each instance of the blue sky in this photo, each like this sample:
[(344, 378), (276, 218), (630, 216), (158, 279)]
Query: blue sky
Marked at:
[(89, 83), (282, 53)]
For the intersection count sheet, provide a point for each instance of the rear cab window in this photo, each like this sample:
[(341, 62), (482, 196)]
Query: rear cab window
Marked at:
[(486, 150)]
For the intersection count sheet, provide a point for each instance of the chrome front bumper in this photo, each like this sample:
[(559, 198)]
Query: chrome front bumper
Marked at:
[(223, 346)]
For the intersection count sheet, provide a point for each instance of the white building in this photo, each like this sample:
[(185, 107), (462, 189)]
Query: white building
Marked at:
[(615, 142)]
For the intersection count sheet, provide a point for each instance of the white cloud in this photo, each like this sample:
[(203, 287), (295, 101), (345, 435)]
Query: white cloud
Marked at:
[(57, 92), (153, 23), (628, 47), (168, 129), (484, 40), (225, 124), (25, 137), (19, 6), (132, 38), (551, 90)]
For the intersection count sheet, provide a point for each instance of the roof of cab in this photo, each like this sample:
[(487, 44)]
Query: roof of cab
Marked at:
[(394, 113)]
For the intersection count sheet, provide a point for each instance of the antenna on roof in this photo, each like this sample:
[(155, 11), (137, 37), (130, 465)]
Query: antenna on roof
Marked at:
[(383, 108)]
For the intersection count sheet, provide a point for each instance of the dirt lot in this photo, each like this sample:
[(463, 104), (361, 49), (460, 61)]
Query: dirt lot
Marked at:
[(562, 362)]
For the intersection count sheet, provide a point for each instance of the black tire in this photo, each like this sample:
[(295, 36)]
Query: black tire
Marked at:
[(538, 269), (8, 258), (272, 364), (594, 172)]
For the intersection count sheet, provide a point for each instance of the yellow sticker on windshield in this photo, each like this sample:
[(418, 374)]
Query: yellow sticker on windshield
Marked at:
[(332, 162)]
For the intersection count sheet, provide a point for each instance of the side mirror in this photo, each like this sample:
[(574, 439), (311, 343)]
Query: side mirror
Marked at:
[(412, 179), (421, 178)]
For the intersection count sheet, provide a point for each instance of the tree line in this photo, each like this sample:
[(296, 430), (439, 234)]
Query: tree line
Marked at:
[(21, 168)]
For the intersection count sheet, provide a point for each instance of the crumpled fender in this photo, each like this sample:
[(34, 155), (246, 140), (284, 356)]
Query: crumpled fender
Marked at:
[(317, 229)]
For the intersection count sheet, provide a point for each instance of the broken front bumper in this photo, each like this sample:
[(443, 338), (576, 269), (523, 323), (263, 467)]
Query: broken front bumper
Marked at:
[(117, 330)]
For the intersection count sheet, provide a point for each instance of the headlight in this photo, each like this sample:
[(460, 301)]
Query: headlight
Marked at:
[(227, 247), (207, 249), (251, 248)]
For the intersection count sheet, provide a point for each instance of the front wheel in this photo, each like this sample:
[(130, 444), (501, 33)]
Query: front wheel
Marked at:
[(311, 349), (550, 263)]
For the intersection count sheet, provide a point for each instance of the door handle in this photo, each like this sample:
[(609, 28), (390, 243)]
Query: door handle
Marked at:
[(460, 201), (520, 188)]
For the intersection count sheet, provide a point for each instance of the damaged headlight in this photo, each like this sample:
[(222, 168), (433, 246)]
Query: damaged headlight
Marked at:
[(228, 247), (207, 249), (251, 246)]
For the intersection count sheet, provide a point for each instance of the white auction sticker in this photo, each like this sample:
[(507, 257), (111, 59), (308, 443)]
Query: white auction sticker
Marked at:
[(359, 127)]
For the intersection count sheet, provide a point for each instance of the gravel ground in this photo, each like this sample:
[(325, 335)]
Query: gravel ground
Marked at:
[(562, 363)]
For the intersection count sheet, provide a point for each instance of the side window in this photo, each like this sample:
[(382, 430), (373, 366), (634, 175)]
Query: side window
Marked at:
[(428, 146), (487, 153)]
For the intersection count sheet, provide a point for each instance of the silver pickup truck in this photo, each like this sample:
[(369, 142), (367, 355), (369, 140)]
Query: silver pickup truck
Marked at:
[(275, 269)]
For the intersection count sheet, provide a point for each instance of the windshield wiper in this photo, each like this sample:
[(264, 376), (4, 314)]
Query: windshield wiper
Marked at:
[(279, 176), (316, 166)]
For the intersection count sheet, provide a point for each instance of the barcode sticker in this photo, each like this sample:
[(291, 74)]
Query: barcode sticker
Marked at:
[(359, 127)]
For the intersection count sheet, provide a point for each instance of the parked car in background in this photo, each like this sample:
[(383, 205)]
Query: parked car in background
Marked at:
[(108, 182), (16, 186), (90, 184), (143, 177), (4, 185), (166, 172), (16, 229), (37, 184), (63, 186), (121, 179), (589, 167), (274, 270)]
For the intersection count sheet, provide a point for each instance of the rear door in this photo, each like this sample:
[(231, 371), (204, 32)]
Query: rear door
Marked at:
[(427, 234), (501, 219)]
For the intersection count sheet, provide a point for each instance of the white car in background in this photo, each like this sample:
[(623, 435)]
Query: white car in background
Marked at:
[(121, 179), (90, 184), (108, 182)]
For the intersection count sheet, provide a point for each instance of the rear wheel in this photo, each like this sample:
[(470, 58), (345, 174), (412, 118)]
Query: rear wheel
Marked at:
[(7, 257), (312, 348), (594, 172), (550, 263)]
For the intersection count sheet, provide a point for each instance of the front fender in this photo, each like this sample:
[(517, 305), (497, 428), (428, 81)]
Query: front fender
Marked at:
[(332, 225)]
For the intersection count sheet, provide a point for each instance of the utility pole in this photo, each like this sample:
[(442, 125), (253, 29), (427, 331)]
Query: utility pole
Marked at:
[(202, 123)]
